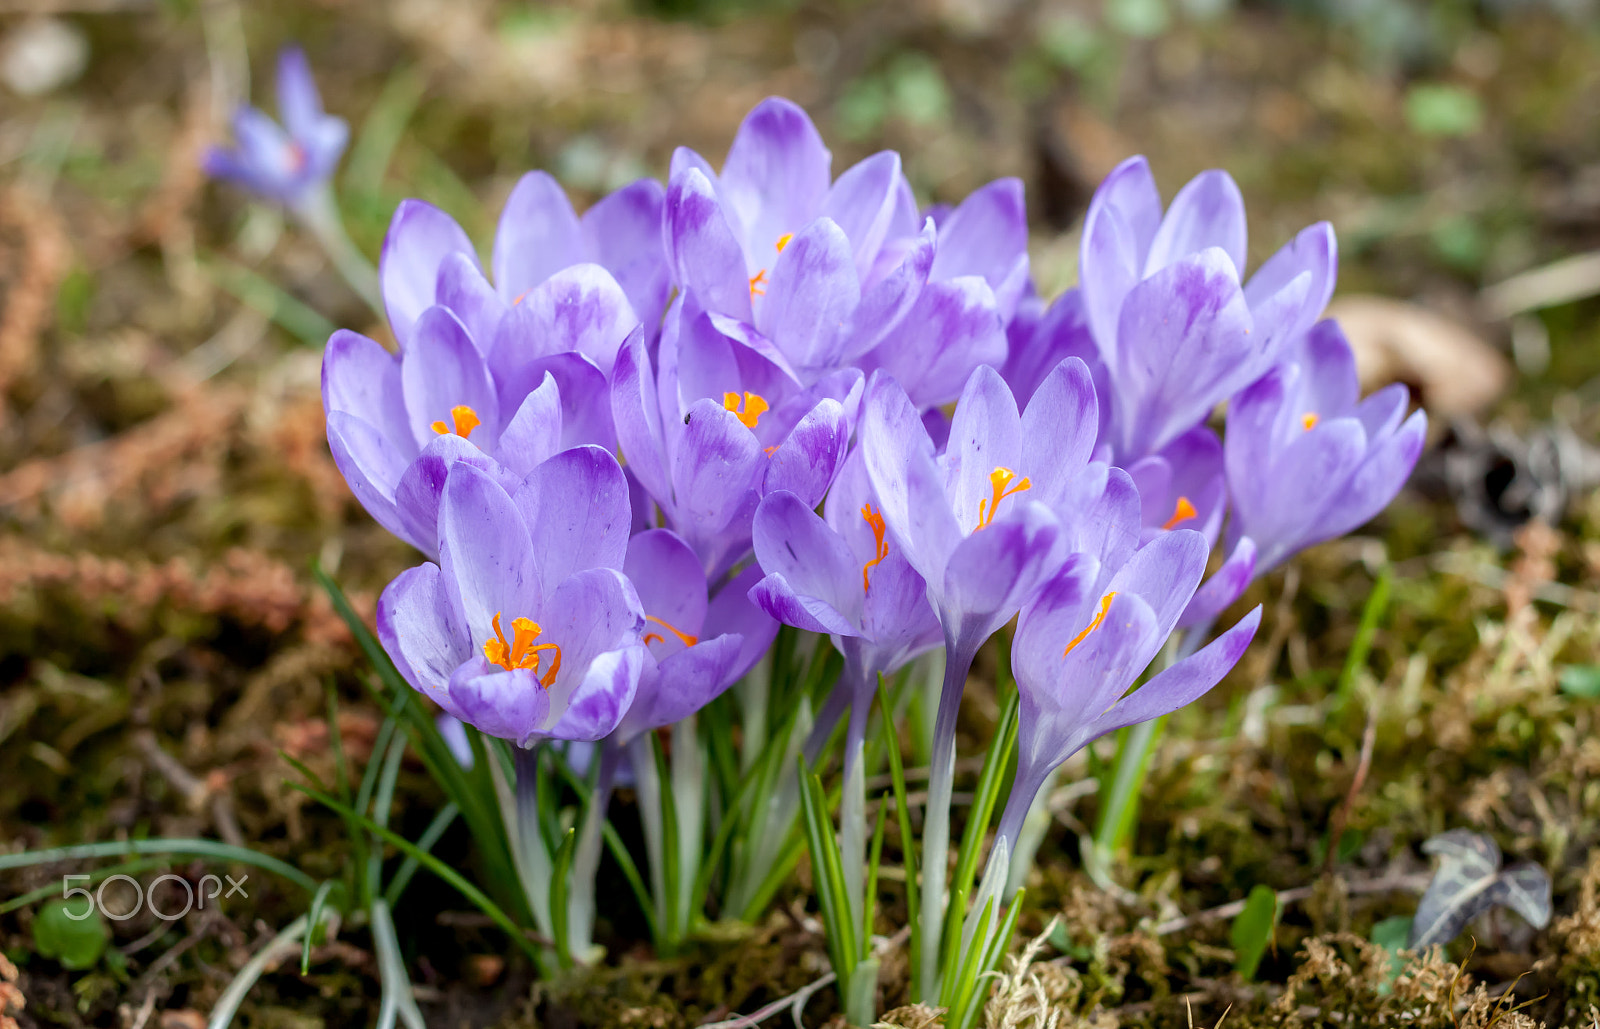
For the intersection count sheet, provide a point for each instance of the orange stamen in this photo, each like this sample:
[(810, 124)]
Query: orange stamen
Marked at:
[(754, 406), (758, 283), (1181, 513), (684, 637), (1099, 616), (881, 548), (783, 241), (465, 419), (522, 652), (1309, 420), (999, 481)]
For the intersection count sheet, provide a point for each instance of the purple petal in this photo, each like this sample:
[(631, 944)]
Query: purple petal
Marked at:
[(579, 309), (416, 626), (952, 329), (985, 434), (1059, 428), (816, 573), (372, 467), (994, 571), (812, 289), (485, 553), (420, 236), (361, 378), (862, 203), (538, 236), (623, 233), (888, 300), (1313, 253), (607, 691), (987, 236), (1118, 229), (1223, 588), (1207, 212), (777, 173), (463, 289), (1061, 333), (576, 508), (806, 462), (731, 612), (1165, 572), (534, 433), (666, 574), (510, 705), (299, 105), (1060, 610), (1183, 683), (421, 489), (702, 248), (680, 685), (442, 369), (1377, 480), (637, 414), (715, 472), (910, 488)]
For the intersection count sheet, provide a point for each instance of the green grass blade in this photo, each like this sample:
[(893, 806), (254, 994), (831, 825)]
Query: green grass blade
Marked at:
[(1371, 614), (341, 768), (984, 798), (268, 299), (560, 889), (630, 871), (382, 801), (827, 874), (672, 931), (897, 774), (187, 847), (476, 896), (870, 897), (54, 889), (319, 900), (425, 842)]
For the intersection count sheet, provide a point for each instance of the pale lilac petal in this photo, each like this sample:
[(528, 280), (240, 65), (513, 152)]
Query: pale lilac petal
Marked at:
[(1118, 229), (600, 701), (417, 628), (1061, 608), (1207, 212), (420, 236), (811, 290), (576, 509), (580, 309), (1059, 428), (806, 462), (442, 369), (715, 470), (1165, 572), (818, 573), (1223, 588), (987, 236), (732, 613), (510, 705), (783, 602), (1182, 684), (421, 488), (887, 300), (671, 586), (1376, 481), (680, 685), (862, 203), (1314, 252), (910, 487), (463, 289), (623, 233), (985, 434), (485, 553), (299, 104), (704, 253), (952, 329), (534, 433), (361, 378), (637, 414), (538, 235), (993, 572), (372, 467), (777, 172)]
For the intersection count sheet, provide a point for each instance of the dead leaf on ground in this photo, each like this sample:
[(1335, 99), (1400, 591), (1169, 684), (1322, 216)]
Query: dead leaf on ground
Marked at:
[(1454, 371)]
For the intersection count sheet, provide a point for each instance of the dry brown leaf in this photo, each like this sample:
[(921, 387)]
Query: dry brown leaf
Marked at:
[(1454, 371)]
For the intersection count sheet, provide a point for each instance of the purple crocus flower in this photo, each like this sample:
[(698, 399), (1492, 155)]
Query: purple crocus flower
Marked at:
[(396, 423), (980, 524), (815, 273), (291, 163), (698, 645), (527, 628), (1084, 641), (717, 428), (1176, 331), (842, 576), (539, 236), (1307, 459)]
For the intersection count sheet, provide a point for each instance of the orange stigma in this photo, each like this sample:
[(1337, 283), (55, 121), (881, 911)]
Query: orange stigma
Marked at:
[(1000, 481), (1181, 512), (522, 652), (754, 406), (783, 241), (758, 283), (875, 519), (1094, 623), (687, 640), (1309, 420), (465, 419)]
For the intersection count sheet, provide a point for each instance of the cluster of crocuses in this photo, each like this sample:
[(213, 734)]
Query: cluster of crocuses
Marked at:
[(613, 447)]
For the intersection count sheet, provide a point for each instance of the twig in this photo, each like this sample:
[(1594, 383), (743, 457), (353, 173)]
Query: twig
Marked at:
[(1560, 282), (145, 1010), (795, 1001), (1369, 737), (1382, 884)]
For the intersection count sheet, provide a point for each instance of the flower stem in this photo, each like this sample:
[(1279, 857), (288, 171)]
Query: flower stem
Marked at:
[(936, 816), (586, 859), (319, 214)]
